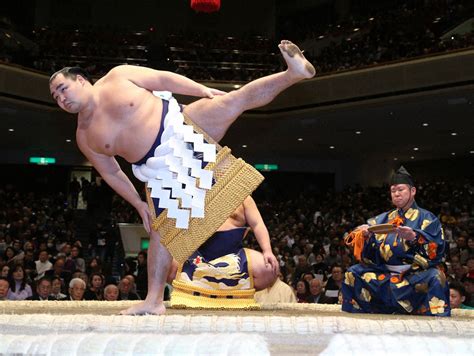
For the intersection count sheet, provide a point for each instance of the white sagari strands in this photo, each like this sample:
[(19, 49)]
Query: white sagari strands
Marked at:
[(176, 165)]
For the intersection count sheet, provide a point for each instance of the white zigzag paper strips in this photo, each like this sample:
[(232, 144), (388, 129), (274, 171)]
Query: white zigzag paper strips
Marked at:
[(172, 173)]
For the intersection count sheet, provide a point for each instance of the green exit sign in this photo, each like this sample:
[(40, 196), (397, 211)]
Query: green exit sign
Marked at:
[(266, 167), (144, 243), (42, 160)]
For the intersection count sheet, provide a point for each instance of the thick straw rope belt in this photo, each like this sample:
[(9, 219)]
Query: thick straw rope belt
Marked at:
[(234, 180)]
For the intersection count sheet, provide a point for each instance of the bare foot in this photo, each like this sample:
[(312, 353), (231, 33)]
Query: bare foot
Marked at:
[(295, 60), (145, 308)]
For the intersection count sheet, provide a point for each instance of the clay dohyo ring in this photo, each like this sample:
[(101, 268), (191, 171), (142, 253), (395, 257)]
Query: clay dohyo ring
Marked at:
[(382, 228)]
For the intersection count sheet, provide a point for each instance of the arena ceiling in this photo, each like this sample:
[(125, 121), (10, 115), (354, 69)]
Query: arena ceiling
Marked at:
[(391, 128)]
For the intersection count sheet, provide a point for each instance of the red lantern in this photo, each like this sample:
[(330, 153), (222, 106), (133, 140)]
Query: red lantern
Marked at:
[(206, 5)]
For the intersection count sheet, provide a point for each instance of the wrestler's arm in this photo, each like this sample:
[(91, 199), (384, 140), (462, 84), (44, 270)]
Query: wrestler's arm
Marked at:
[(255, 221), (152, 79), (110, 171)]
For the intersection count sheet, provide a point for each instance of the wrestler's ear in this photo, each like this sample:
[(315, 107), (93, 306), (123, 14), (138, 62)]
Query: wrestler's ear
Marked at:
[(80, 79)]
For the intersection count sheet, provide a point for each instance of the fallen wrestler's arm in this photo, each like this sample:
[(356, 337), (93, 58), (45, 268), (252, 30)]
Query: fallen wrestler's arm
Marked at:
[(152, 79), (255, 221), (111, 172)]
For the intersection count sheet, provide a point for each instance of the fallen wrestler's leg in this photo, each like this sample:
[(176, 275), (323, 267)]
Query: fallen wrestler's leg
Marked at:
[(158, 267), (216, 115), (263, 275)]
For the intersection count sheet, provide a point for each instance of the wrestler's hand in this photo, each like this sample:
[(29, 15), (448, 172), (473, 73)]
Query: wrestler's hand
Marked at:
[(145, 214), (211, 92), (270, 259), (406, 233)]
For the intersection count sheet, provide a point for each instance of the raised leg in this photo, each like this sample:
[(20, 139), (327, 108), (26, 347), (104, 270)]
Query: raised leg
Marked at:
[(158, 266), (216, 115), (263, 276)]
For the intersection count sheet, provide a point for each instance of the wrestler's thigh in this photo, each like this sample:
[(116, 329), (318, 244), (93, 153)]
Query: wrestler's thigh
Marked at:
[(215, 115), (262, 274)]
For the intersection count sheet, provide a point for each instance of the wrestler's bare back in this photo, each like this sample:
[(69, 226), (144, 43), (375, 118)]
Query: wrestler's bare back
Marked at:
[(125, 121)]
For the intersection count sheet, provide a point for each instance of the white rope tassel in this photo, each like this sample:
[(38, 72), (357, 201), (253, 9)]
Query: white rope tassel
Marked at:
[(172, 173)]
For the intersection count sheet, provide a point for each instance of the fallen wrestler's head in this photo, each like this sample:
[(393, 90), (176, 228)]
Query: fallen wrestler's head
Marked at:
[(402, 189)]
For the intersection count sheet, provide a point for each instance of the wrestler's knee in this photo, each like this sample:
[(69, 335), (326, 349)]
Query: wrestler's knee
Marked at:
[(264, 278), (263, 275)]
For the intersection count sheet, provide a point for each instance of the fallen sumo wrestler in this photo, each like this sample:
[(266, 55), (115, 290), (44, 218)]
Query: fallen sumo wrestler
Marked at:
[(192, 184)]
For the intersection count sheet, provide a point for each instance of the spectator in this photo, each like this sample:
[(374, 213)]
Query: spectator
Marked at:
[(94, 266), (4, 287), (334, 285), (316, 294), (302, 268), (4, 271), (125, 290), (19, 288), (79, 263), (43, 290), (77, 288), (141, 277), (457, 296), (96, 285), (9, 255), (29, 264), (469, 286), (43, 264), (302, 291), (59, 271), (56, 287), (320, 268), (74, 189), (111, 293)]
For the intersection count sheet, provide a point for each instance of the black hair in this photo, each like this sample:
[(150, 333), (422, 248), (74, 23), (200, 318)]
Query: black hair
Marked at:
[(72, 73)]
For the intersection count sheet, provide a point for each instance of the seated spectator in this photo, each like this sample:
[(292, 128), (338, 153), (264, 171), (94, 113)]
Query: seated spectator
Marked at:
[(469, 286), (4, 287), (111, 292), (302, 291), (9, 255), (43, 290), (56, 286), (302, 268), (319, 267), (333, 285), (29, 264), (59, 271), (279, 292), (124, 287), (142, 274), (19, 288), (308, 276), (77, 288), (43, 264), (95, 290), (4, 271), (82, 276), (94, 266), (316, 293), (457, 296), (79, 263)]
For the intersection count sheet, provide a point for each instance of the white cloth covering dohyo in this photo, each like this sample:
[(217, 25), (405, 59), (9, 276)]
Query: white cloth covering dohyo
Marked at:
[(173, 171)]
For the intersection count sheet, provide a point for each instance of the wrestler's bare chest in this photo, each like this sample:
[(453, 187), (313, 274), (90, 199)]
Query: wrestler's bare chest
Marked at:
[(125, 121)]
